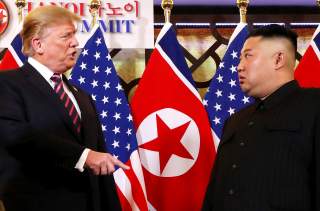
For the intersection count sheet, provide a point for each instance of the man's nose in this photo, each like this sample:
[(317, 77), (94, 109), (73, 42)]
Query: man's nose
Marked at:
[(240, 66), (74, 42)]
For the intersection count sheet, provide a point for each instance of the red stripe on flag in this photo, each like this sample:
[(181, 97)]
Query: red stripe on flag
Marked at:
[(8, 62), (123, 201), (308, 70), (137, 192)]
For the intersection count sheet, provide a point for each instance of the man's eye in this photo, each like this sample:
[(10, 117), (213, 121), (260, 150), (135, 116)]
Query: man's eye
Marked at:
[(65, 36)]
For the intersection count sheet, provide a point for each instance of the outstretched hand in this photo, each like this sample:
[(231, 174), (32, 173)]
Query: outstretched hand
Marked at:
[(103, 163)]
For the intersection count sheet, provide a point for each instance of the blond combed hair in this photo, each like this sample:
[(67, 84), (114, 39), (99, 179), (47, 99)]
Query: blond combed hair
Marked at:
[(41, 18)]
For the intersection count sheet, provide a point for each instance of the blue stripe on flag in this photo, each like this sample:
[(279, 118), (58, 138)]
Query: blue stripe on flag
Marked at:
[(317, 40), (17, 46), (171, 47)]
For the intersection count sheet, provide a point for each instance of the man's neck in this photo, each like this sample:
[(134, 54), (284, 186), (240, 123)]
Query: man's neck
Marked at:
[(276, 86)]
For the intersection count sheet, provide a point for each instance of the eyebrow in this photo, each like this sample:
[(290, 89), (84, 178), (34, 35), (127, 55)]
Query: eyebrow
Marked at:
[(67, 32), (246, 50)]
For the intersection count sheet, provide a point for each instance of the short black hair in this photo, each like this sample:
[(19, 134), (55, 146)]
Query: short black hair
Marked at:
[(275, 30)]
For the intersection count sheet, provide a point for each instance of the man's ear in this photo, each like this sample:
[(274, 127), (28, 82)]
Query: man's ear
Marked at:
[(37, 45), (279, 60)]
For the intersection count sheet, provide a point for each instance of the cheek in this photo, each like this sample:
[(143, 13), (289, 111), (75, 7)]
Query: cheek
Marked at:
[(256, 70)]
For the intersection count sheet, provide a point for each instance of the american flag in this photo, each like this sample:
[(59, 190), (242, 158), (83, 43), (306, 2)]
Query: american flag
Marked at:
[(224, 96), (95, 73)]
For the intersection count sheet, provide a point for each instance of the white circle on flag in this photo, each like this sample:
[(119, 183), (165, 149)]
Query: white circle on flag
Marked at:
[(190, 140)]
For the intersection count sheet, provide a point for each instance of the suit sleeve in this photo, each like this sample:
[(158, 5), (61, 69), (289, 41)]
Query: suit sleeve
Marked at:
[(20, 138)]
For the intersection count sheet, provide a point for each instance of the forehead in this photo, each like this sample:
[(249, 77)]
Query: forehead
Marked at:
[(252, 43), (61, 25), (58, 28)]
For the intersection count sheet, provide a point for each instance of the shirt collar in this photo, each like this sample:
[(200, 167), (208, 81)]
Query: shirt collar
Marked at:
[(42, 69), (278, 95)]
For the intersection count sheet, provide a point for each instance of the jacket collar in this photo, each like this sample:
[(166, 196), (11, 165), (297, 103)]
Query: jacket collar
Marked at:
[(277, 96)]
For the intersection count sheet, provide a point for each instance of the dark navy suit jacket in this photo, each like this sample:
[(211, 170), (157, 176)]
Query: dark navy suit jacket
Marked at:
[(39, 148)]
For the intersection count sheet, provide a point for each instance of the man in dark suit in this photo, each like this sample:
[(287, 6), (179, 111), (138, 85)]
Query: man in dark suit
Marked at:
[(269, 155), (52, 152)]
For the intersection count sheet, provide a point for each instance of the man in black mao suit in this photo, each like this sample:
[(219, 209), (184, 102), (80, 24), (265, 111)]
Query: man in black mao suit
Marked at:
[(51, 146), (269, 155)]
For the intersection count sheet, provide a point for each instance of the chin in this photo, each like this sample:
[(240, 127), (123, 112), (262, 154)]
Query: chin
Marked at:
[(244, 89), (69, 66)]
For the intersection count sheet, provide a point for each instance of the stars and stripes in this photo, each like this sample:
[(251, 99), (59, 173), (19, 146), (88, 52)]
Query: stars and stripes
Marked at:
[(224, 96), (95, 73)]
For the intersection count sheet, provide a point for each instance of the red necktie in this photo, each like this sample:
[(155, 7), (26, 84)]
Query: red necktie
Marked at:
[(59, 90)]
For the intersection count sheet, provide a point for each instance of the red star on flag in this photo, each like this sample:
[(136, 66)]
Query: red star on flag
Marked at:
[(168, 142), (2, 16)]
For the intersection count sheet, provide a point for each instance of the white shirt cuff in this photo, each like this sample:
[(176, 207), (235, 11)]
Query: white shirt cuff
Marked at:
[(82, 160)]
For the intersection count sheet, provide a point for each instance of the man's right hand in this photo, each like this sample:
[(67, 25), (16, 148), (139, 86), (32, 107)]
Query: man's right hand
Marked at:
[(103, 163)]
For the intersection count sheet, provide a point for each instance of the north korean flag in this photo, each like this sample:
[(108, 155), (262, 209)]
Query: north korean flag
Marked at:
[(175, 141), (308, 71), (13, 57)]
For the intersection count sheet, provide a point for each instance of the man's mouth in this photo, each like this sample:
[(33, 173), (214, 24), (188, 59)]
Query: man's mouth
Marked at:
[(241, 79), (73, 55)]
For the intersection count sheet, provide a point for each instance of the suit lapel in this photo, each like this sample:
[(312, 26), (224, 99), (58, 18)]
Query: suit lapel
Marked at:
[(43, 86)]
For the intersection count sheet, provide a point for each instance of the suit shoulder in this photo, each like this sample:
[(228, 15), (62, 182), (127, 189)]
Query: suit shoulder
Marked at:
[(10, 75), (311, 91), (308, 98), (312, 94)]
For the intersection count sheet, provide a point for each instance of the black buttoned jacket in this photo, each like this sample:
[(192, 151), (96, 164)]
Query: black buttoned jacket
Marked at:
[(269, 155)]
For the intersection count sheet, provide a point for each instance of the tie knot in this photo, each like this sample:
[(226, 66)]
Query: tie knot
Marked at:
[(56, 78)]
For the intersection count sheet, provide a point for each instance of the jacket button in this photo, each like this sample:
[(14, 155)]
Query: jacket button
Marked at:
[(234, 166), (242, 144), (250, 124), (231, 192)]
